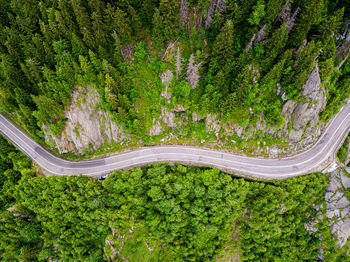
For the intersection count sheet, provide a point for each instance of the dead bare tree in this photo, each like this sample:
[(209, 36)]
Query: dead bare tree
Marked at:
[(183, 12), (215, 6), (178, 63), (200, 21), (193, 72), (291, 21), (284, 16), (258, 37)]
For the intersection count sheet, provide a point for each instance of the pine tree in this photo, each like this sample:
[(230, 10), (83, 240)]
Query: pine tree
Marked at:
[(301, 69), (274, 46), (78, 47), (135, 21), (81, 15), (306, 19), (111, 91), (272, 9), (169, 11), (98, 28), (222, 53), (158, 36), (117, 22)]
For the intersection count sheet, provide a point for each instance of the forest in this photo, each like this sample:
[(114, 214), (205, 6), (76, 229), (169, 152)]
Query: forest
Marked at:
[(160, 212), (249, 52), (246, 49)]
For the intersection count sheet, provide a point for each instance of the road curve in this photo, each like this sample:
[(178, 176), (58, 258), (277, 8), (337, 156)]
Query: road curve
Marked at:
[(308, 161)]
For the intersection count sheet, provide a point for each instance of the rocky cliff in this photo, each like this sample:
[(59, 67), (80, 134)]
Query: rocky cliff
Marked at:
[(337, 207), (305, 114), (301, 118), (88, 126)]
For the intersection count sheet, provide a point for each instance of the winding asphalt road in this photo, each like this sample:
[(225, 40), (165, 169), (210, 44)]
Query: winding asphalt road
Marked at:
[(311, 160)]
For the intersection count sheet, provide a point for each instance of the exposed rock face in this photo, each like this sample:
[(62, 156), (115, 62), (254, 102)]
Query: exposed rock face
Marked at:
[(286, 17), (87, 125), (316, 101), (287, 110), (156, 129), (307, 112), (337, 208), (167, 118), (212, 124), (166, 78), (196, 117)]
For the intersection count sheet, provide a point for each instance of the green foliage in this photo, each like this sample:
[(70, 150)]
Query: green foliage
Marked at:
[(301, 69), (343, 150), (277, 215), (339, 91), (182, 89), (308, 16), (258, 13), (178, 212), (47, 49), (13, 165)]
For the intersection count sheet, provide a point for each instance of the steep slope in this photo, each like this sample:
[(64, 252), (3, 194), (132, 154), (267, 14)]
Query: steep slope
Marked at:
[(88, 126)]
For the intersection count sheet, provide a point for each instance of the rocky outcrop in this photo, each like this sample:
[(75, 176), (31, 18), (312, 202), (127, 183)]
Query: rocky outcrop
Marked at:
[(88, 127), (286, 17), (305, 114), (301, 126), (156, 129), (167, 118), (337, 208), (314, 94), (166, 78)]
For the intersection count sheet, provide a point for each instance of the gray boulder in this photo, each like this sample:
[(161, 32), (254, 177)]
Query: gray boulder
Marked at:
[(345, 180)]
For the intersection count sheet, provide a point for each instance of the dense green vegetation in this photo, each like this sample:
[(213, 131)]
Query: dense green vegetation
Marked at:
[(13, 165), (343, 150), (49, 47), (160, 212)]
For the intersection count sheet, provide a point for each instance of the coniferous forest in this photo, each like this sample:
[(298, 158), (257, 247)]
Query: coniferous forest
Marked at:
[(249, 51), (245, 48)]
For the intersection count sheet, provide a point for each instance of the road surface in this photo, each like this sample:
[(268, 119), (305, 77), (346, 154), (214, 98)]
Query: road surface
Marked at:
[(311, 160)]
